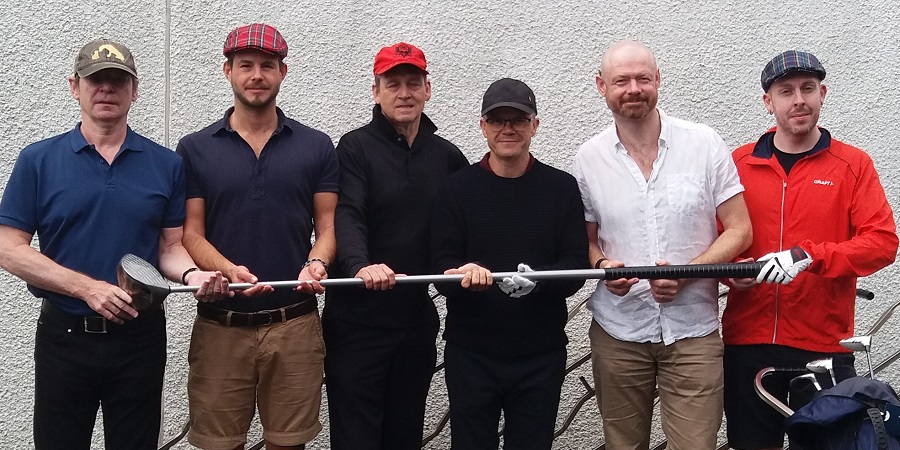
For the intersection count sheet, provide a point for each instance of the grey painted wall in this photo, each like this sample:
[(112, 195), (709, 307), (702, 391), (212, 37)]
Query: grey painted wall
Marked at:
[(710, 53)]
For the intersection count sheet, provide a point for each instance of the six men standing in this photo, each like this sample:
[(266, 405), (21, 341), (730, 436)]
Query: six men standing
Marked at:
[(395, 199)]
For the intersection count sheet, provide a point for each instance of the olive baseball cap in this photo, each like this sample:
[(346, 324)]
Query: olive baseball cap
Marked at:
[(104, 54)]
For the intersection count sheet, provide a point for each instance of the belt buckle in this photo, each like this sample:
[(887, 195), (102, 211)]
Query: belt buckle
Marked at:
[(266, 314), (89, 329)]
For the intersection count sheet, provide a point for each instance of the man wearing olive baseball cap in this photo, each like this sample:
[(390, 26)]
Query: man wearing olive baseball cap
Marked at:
[(258, 184), (506, 343), (821, 219), (381, 339), (94, 194)]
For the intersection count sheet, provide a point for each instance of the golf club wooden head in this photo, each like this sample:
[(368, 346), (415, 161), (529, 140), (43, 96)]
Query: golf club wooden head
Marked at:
[(141, 281)]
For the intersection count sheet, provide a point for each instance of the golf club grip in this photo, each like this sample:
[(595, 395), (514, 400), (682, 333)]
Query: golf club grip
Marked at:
[(725, 270)]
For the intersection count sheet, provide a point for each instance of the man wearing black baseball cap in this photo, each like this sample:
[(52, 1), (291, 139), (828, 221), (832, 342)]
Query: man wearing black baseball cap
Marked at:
[(258, 184), (810, 195), (93, 195), (506, 343)]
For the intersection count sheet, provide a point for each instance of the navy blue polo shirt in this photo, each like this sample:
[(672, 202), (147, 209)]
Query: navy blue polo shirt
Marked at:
[(87, 213), (259, 211)]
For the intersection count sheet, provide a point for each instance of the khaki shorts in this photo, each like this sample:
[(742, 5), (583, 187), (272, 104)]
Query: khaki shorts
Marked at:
[(278, 367)]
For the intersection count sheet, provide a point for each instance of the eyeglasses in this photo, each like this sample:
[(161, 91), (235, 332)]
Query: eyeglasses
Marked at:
[(518, 123)]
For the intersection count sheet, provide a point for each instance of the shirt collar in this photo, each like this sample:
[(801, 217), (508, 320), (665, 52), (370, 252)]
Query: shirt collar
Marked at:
[(765, 146), (79, 143), (487, 166), (665, 133), (223, 125), (426, 126)]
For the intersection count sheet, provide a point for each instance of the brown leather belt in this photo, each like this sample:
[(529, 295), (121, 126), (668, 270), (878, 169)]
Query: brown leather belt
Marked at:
[(230, 318)]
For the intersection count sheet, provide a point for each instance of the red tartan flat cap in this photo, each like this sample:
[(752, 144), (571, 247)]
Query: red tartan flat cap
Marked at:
[(257, 36)]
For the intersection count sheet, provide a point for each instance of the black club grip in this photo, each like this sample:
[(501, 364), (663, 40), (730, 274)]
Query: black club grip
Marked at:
[(725, 270)]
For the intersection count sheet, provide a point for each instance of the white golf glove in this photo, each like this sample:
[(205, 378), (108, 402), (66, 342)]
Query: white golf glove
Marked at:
[(517, 286), (783, 266)]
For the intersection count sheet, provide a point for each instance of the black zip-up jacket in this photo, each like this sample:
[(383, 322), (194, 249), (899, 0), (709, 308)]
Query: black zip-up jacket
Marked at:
[(384, 208)]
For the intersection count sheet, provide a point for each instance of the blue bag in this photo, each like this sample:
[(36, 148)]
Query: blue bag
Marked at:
[(857, 414)]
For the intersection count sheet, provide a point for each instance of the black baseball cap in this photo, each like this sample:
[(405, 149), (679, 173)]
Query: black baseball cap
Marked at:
[(511, 93)]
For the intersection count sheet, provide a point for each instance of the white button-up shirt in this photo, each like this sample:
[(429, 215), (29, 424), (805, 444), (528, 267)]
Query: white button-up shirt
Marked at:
[(670, 216)]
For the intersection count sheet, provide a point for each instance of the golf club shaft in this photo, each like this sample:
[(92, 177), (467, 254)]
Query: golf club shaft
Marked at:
[(730, 270)]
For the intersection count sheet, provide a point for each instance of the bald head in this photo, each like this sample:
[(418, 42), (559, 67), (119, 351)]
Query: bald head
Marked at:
[(625, 51), (629, 80)]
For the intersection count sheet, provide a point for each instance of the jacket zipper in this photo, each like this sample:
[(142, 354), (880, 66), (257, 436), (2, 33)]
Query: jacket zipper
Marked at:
[(780, 248)]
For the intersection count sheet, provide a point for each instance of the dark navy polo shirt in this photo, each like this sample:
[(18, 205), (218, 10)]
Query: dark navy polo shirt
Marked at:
[(259, 211), (87, 213)]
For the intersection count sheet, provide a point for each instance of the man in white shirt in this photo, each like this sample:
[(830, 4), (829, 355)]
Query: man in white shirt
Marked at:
[(652, 187)]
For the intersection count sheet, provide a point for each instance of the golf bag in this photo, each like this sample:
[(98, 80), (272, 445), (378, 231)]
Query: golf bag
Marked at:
[(857, 414)]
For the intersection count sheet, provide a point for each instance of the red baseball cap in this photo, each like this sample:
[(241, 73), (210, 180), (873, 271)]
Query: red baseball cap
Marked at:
[(399, 53), (257, 36)]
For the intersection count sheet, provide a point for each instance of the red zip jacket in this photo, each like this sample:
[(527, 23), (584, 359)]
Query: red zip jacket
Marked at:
[(834, 207)]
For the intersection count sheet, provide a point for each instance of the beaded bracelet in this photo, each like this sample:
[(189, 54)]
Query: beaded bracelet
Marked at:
[(311, 260)]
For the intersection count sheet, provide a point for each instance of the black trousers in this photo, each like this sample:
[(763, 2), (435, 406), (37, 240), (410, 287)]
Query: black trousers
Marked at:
[(377, 380), (526, 389), (76, 372), (751, 423)]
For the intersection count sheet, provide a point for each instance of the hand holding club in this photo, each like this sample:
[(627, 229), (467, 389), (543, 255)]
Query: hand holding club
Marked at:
[(517, 286), (783, 266)]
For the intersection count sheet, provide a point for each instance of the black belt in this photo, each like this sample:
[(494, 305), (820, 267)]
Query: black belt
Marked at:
[(88, 324), (231, 318)]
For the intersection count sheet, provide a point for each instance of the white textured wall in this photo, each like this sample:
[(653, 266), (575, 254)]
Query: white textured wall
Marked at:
[(710, 53)]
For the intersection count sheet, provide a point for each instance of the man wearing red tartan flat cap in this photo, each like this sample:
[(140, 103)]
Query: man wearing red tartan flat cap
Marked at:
[(258, 184), (381, 338)]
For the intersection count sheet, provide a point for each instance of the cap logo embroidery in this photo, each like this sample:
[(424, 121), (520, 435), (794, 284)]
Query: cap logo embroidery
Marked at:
[(107, 51), (403, 50)]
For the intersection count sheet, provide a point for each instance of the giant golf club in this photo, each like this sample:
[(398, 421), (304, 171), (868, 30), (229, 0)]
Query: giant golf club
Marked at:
[(146, 285)]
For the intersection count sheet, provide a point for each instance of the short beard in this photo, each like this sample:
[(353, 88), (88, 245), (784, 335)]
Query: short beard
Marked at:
[(263, 103), (632, 113)]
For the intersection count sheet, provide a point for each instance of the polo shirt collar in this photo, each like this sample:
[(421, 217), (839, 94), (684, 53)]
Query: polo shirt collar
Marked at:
[(426, 126), (78, 142), (765, 146), (223, 124)]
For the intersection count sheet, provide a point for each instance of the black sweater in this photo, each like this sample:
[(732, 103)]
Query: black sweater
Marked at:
[(386, 194), (497, 222)]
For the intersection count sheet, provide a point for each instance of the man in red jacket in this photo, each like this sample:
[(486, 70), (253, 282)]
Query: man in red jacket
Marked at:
[(818, 204)]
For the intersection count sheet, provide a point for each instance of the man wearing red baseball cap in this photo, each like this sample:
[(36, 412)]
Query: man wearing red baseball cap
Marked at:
[(258, 183), (381, 338)]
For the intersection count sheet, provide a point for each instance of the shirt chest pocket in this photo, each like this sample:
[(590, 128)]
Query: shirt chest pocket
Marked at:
[(687, 195)]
